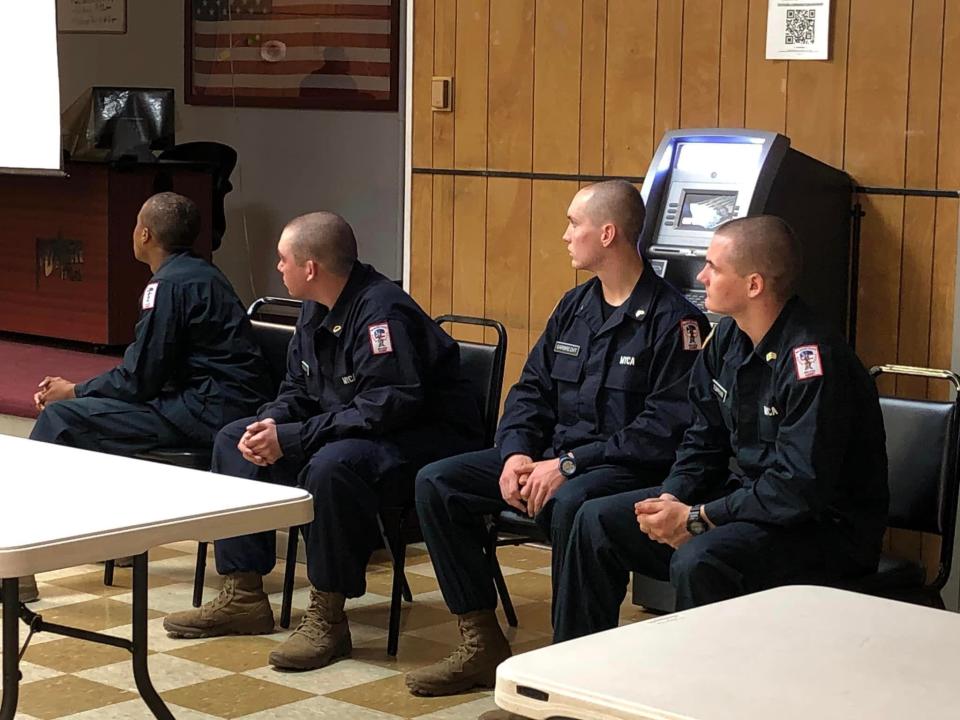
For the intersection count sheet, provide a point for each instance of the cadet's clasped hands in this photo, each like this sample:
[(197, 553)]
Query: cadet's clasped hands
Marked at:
[(52, 389), (527, 485), (260, 444)]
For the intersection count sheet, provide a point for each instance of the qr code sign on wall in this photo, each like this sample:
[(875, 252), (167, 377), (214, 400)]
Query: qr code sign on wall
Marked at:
[(800, 27)]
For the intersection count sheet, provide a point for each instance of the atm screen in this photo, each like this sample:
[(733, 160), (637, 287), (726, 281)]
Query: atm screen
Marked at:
[(705, 210)]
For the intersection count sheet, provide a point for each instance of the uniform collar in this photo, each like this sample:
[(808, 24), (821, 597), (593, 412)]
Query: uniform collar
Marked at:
[(636, 307), (772, 342), (334, 320), (168, 260)]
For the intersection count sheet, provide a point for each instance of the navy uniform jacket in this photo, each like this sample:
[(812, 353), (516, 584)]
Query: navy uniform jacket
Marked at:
[(801, 417), (193, 358), (611, 392), (374, 366)]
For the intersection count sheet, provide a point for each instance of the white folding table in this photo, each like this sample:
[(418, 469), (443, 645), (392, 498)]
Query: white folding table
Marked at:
[(63, 507), (792, 653)]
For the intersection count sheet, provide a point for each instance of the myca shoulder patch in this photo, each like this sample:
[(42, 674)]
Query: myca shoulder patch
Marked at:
[(806, 360), (690, 335), (380, 342), (149, 296)]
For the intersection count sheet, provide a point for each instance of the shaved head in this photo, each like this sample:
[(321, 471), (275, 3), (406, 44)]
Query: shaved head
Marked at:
[(324, 237), (617, 202), (173, 220), (765, 244)]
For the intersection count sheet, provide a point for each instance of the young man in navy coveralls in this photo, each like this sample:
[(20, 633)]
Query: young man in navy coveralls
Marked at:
[(600, 408), (193, 366), (785, 398), (372, 391)]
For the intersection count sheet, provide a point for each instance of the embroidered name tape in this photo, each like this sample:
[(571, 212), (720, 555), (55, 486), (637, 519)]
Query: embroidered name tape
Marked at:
[(806, 360), (380, 342), (628, 360), (690, 335), (770, 411), (149, 296), (566, 348), (347, 379)]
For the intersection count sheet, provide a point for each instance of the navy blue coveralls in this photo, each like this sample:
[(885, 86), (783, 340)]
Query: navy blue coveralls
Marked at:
[(806, 500), (372, 391), (193, 366), (613, 392)]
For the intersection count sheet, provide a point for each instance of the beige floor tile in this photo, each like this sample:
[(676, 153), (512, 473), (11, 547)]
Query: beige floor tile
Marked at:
[(157, 638), (165, 599), (413, 652), (466, 711), (236, 654), (70, 655), (136, 710), (426, 569), (234, 696), (449, 633), (92, 583), (391, 695), (412, 615), (32, 673), (98, 614), (338, 676), (524, 557), (52, 596), (320, 708), (380, 581), (167, 672), (531, 585), (301, 598), (65, 695), (67, 572)]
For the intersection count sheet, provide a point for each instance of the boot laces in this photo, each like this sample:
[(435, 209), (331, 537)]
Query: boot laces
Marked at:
[(314, 624)]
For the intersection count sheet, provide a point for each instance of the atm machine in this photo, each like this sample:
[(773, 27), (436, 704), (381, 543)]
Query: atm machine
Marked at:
[(699, 179)]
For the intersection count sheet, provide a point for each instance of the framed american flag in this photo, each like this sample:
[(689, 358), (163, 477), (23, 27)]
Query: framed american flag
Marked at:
[(336, 54)]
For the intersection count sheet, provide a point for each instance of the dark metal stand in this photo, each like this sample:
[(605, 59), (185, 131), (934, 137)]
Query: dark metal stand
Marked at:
[(13, 610)]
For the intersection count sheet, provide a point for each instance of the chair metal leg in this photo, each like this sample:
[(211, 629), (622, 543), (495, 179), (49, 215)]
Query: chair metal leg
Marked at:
[(497, 573), (11, 648), (289, 571), (199, 574), (390, 545), (108, 573), (399, 583)]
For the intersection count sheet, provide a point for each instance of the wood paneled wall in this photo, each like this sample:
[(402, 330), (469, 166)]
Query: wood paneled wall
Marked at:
[(589, 86)]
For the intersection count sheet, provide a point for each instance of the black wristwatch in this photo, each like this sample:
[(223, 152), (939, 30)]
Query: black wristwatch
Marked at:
[(568, 465), (696, 525)]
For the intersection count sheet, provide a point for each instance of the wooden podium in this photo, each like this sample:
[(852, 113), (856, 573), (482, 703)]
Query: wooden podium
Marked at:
[(67, 268)]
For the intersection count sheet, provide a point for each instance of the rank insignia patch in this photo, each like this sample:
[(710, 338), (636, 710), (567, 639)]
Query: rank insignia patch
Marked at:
[(690, 335), (149, 296)]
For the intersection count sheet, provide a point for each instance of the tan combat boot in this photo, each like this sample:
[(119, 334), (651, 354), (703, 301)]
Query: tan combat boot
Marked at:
[(322, 636), (27, 589), (241, 608), (473, 664)]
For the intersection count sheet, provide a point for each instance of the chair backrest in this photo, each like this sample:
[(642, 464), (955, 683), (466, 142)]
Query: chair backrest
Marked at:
[(922, 447), (482, 364), (273, 335)]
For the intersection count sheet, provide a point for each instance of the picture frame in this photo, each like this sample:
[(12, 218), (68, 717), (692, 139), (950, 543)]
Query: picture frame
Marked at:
[(287, 54)]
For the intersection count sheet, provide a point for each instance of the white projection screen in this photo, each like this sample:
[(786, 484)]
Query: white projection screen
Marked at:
[(29, 88)]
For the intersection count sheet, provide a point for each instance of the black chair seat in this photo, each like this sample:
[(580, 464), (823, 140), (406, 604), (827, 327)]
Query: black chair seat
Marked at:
[(892, 574), (511, 522), (196, 458)]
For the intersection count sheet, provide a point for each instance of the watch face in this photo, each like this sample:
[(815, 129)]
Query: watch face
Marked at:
[(697, 527), (567, 466)]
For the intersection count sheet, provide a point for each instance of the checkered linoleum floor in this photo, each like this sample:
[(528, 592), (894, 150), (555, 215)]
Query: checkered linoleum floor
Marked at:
[(230, 677)]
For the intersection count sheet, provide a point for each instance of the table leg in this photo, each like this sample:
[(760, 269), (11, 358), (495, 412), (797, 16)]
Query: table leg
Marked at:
[(11, 648), (140, 672)]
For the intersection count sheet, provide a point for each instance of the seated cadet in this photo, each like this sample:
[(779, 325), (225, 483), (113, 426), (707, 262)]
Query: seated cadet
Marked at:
[(373, 390), (600, 408), (785, 398), (193, 366)]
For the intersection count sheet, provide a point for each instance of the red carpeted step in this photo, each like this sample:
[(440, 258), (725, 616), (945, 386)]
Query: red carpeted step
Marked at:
[(23, 365)]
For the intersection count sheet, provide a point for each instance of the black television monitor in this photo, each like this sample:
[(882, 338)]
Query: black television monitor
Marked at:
[(132, 120)]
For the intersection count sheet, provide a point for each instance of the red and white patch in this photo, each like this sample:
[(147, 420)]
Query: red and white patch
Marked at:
[(149, 296), (806, 360), (380, 343), (690, 335)]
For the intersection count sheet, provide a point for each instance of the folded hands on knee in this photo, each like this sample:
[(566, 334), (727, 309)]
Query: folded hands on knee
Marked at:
[(51, 389), (664, 519), (259, 443)]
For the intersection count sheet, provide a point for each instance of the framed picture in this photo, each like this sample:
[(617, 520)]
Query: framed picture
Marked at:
[(291, 54), (92, 16)]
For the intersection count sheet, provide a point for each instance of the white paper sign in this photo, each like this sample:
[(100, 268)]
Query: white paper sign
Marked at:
[(798, 30), (92, 16)]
